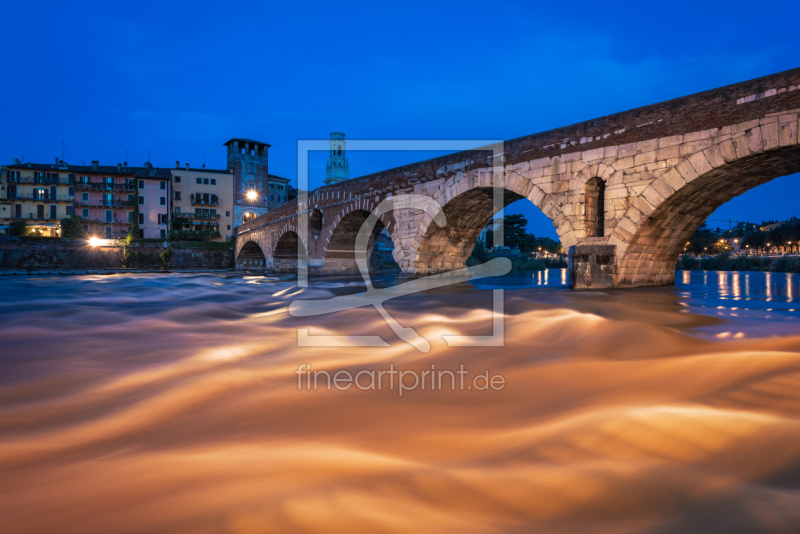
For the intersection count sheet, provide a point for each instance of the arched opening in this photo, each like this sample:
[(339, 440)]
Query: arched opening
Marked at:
[(248, 216), (251, 258), (315, 222), (285, 257), (468, 219), (595, 200), (340, 255), (653, 250)]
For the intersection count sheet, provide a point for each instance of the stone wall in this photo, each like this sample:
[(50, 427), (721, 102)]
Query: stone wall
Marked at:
[(18, 253)]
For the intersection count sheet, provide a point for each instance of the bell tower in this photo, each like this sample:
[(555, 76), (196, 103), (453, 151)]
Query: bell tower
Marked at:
[(337, 170), (248, 161)]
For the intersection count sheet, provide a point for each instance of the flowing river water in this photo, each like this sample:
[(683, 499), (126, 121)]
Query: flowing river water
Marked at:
[(170, 403)]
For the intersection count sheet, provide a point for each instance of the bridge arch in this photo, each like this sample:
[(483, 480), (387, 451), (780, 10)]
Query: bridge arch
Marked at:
[(287, 249), (468, 206), (251, 257), (651, 236), (340, 236)]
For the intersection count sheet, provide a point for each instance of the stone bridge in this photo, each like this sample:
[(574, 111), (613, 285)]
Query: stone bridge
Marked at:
[(625, 192)]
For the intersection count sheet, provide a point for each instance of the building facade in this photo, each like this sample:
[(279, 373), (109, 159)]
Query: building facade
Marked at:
[(41, 194), (337, 169), (248, 160), (104, 199), (202, 202), (207, 202)]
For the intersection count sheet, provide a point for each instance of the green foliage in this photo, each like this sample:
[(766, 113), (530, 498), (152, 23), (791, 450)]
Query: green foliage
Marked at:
[(479, 251), (133, 231), (71, 227), (787, 265), (18, 227), (166, 258)]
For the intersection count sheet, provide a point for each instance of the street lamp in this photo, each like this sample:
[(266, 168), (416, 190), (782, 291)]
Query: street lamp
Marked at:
[(252, 195)]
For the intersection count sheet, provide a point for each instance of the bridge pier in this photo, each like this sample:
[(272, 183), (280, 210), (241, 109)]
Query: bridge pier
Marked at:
[(592, 266)]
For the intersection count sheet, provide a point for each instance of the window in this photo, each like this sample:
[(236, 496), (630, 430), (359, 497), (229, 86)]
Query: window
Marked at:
[(163, 234), (86, 228), (251, 168), (130, 199), (163, 184), (40, 212), (53, 212), (130, 217), (177, 209), (213, 181), (199, 180), (595, 207), (85, 213), (108, 232), (141, 184), (177, 179), (71, 191), (227, 214), (280, 187), (205, 181), (141, 200), (229, 227), (85, 197), (141, 218), (163, 201), (162, 218), (70, 210), (177, 195), (109, 216)]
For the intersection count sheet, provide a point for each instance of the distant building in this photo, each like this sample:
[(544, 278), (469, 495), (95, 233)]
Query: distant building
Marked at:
[(769, 227), (40, 193), (104, 198), (208, 200), (202, 200), (153, 188), (278, 190), (248, 160), (492, 225), (338, 169)]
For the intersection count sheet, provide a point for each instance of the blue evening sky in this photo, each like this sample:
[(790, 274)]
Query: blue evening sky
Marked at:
[(181, 78)]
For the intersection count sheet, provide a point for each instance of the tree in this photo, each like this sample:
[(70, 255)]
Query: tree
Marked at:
[(71, 227), (515, 234), (18, 227), (133, 232), (479, 251)]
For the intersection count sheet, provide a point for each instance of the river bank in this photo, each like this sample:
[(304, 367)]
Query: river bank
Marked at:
[(727, 262)]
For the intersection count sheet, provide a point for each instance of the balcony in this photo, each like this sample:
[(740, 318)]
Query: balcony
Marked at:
[(204, 200), (46, 197), (196, 216), (44, 180), (97, 186), (103, 203)]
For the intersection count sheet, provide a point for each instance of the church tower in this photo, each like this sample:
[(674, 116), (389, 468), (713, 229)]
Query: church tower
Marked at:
[(337, 170)]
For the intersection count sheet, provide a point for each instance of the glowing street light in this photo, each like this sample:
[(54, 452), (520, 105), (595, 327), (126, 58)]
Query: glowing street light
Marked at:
[(252, 195), (94, 242)]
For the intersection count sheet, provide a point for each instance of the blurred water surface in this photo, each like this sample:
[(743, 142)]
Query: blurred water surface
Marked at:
[(170, 403)]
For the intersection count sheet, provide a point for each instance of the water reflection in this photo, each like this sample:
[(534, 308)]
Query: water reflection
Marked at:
[(169, 403)]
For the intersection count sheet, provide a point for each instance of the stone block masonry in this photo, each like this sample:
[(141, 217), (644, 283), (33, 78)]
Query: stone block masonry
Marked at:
[(649, 176)]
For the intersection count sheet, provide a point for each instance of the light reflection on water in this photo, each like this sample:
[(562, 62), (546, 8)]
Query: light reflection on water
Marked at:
[(169, 403)]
